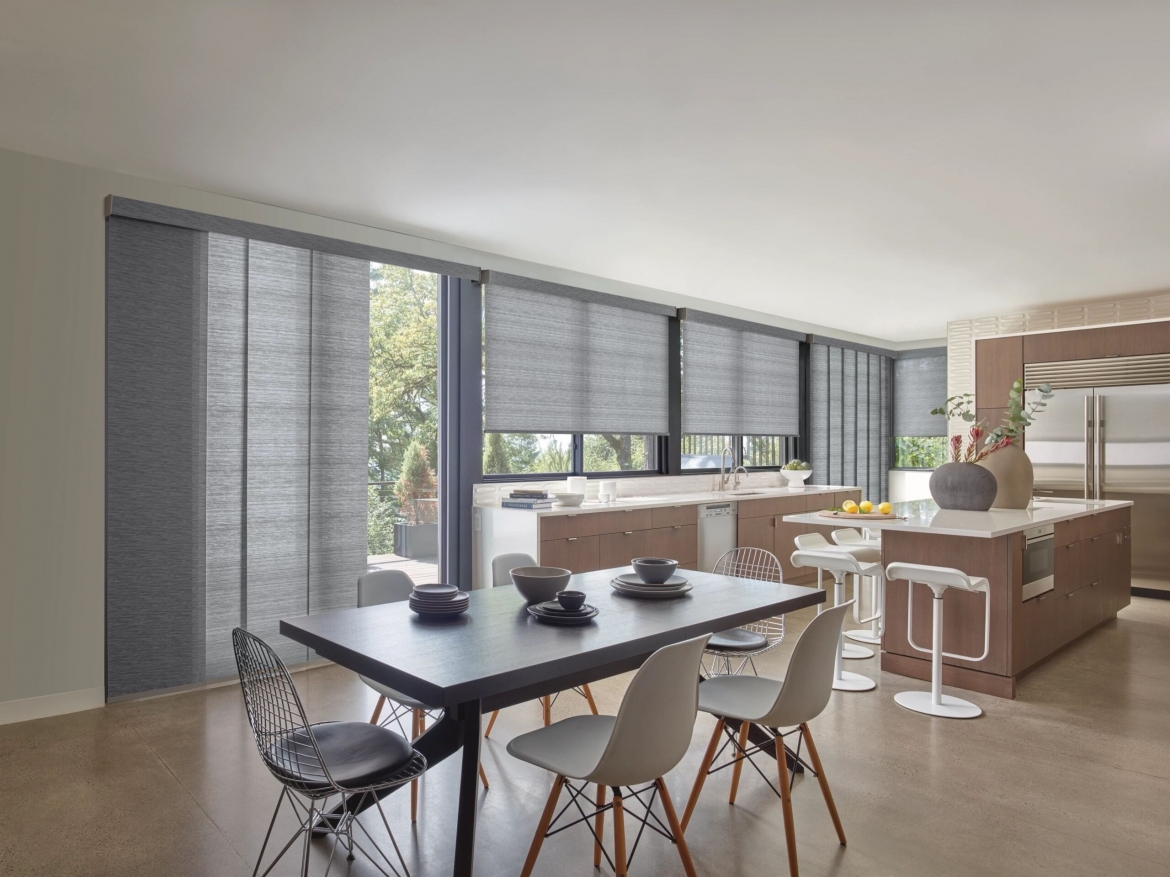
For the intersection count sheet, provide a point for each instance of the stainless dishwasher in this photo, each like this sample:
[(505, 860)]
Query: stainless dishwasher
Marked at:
[(718, 532)]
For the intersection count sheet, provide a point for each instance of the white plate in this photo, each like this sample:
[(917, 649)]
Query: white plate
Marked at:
[(649, 593), (634, 580)]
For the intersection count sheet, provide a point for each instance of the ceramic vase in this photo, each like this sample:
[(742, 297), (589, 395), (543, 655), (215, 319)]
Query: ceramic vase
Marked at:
[(1013, 473), (963, 486)]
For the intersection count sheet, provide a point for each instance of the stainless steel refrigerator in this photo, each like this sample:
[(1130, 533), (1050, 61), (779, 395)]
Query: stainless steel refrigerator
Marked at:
[(1110, 442)]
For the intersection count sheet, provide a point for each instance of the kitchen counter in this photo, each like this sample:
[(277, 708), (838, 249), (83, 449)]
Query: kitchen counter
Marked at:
[(924, 516), (669, 500)]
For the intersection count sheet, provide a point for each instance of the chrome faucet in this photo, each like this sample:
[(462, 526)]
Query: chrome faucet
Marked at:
[(735, 472), (723, 473)]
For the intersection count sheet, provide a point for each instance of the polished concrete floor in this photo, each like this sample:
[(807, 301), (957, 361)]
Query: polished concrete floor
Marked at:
[(1072, 778)]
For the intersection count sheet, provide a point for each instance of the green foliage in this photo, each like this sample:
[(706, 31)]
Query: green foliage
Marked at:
[(554, 458), (795, 466), (511, 453), (606, 452), (381, 513), (416, 482), (496, 459), (1020, 412), (912, 452)]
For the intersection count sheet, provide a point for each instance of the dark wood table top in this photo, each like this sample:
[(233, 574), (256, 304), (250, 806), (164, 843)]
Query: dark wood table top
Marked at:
[(496, 647)]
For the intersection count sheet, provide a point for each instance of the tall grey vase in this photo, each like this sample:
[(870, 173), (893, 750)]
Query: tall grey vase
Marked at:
[(963, 486)]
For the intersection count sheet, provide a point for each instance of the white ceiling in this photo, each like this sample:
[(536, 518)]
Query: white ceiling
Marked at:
[(879, 167)]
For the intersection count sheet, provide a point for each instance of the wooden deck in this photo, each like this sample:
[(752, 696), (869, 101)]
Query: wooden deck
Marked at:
[(420, 570)]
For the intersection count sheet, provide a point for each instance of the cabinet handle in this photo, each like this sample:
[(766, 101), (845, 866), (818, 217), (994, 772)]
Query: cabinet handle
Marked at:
[(571, 539), (677, 527), (628, 533)]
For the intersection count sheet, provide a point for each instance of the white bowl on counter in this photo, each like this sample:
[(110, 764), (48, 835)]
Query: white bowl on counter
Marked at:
[(570, 500)]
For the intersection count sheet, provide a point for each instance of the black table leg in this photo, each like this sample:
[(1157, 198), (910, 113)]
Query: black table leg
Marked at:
[(469, 718)]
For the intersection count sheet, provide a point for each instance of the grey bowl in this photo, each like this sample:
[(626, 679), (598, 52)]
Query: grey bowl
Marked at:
[(539, 584), (654, 570), (571, 601)]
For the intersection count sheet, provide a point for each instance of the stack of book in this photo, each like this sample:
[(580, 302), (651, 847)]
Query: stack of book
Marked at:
[(527, 498)]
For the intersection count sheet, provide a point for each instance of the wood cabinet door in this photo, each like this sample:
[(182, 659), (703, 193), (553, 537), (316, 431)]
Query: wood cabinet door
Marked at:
[(622, 520), (1034, 636), (680, 542), (998, 362), (618, 549), (756, 533), (575, 553), (567, 526), (785, 542), (674, 516)]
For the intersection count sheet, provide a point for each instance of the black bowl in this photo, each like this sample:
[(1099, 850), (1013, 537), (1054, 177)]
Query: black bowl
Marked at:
[(571, 601), (654, 570)]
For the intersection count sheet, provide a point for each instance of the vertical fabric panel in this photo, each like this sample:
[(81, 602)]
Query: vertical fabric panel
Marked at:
[(818, 366), (849, 419), (558, 364), (156, 299), (339, 417), (279, 331), (874, 406), (836, 413), (226, 455), (887, 404), (861, 417)]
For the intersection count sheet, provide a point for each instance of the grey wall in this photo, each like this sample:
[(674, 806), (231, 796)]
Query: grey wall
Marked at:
[(52, 384)]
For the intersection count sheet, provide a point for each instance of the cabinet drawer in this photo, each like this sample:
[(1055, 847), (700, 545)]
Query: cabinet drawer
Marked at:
[(566, 526), (675, 516), (680, 542), (618, 549), (622, 520), (1036, 636), (575, 553), (756, 533)]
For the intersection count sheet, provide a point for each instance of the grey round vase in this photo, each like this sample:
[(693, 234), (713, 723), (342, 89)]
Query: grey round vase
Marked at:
[(963, 486)]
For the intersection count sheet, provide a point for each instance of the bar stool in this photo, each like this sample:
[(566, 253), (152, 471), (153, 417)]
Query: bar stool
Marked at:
[(840, 564), (938, 579), (817, 542), (854, 540)]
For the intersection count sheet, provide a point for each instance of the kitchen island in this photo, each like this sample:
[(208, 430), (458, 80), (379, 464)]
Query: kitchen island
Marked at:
[(1056, 571)]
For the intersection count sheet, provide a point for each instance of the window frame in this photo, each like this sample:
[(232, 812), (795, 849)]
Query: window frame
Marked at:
[(577, 449), (791, 444)]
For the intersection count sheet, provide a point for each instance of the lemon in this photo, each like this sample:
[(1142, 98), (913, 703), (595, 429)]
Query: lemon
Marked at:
[(849, 507), (866, 506), (886, 509)]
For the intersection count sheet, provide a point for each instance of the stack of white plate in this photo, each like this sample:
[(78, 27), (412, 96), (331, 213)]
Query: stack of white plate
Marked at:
[(633, 586), (438, 601)]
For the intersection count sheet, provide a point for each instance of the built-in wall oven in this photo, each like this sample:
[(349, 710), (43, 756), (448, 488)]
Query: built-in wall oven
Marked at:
[(1039, 561)]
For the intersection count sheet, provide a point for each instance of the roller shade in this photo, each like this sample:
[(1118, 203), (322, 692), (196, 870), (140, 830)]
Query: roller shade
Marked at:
[(561, 360), (850, 409), (739, 378), (920, 385)]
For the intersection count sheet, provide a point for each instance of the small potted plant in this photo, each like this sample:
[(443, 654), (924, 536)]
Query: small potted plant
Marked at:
[(796, 472), (1002, 453)]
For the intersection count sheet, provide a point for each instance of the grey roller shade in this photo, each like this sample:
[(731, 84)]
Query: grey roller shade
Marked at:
[(739, 378), (850, 409), (237, 420), (560, 361), (920, 384)]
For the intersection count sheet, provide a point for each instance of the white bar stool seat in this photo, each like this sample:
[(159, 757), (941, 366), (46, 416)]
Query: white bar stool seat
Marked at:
[(857, 542), (840, 563), (817, 542), (938, 579)]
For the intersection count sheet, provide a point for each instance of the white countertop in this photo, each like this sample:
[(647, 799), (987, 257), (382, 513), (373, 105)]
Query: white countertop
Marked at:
[(923, 516), (667, 500)]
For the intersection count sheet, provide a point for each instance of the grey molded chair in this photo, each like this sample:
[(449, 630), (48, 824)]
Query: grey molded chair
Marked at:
[(745, 644), (646, 740), (502, 567), (771, 704), (376, 588), (353, 762)]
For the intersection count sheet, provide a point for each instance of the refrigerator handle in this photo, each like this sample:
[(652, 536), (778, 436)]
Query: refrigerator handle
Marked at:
[(1098, 444), (1089, 444)]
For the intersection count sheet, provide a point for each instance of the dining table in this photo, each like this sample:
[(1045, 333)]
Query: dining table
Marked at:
[(496, 654)]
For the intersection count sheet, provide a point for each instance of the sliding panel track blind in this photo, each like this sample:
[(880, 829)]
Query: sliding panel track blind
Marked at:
[(850, 417), (562, 360), (237, 418), (739, 378), (920, 385)]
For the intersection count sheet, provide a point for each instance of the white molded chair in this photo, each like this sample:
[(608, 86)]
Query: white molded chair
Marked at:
[(641, 744), (771, 704), (376, 588), (840, 563), (938, 579), (870, 550), (817, 542), (502, 567), (746, 643)]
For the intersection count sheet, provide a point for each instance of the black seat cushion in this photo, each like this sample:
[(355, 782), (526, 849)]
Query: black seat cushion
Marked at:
[(737, 640), (357, 754)]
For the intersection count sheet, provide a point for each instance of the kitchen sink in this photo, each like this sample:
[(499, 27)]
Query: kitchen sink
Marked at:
[(746, 492)]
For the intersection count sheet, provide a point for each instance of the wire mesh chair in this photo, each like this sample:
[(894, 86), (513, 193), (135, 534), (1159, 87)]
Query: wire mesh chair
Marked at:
[(354, 762), (744, 644)]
